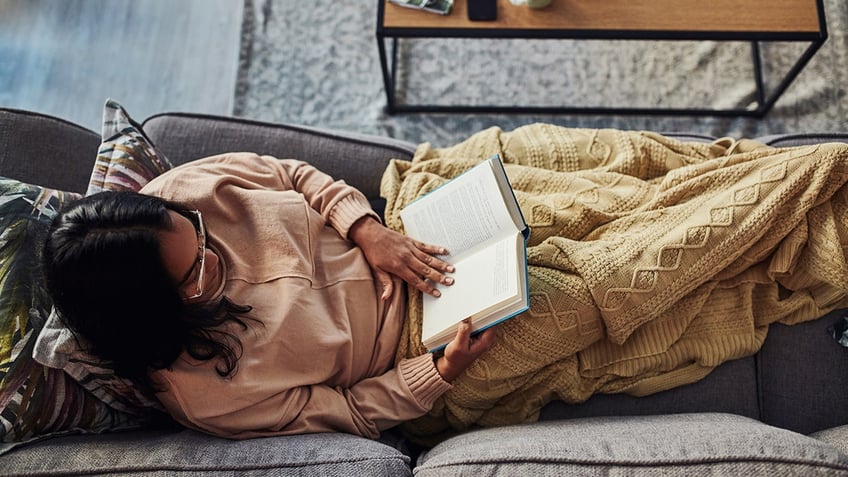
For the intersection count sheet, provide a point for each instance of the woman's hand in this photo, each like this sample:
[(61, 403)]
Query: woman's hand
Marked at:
[(463, 350), (390, 252)]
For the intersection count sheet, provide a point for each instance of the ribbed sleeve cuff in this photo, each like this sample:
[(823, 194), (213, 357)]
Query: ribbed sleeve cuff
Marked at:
[(423, 379), (348, 210)]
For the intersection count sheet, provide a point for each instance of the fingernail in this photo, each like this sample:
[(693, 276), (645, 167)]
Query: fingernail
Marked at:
[(451, 269), (448, 281), (437, 293)]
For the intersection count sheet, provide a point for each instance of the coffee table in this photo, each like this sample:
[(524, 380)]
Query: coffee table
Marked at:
[(754, 21)]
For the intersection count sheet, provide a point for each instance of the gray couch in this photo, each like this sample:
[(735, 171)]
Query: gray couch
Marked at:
[(781, 412)]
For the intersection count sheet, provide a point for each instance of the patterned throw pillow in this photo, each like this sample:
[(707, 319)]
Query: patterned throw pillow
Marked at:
[(58, 348), (35, 401), (126, 160)]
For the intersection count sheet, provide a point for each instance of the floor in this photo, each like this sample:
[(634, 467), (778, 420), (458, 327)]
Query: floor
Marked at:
[(66, 57)]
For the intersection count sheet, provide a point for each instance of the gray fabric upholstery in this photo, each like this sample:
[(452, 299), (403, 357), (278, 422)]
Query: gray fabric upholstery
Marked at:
[(803, 378), (358, 159), (732, 387), (681, 444), (837, 437), (46, 151), (188, 453), (788, 140)]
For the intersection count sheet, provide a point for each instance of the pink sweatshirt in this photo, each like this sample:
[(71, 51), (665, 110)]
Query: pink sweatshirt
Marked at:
[(323, 357)]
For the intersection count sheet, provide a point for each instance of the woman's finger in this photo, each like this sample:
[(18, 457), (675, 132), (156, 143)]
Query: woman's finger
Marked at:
[(434, 276), (434, 262), (422, 284), (385, 281), (433, 268), (463, 333), (430, 249), (484, 340)]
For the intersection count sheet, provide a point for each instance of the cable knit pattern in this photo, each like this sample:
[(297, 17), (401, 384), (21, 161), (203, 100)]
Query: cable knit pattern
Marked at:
[(652, 261)]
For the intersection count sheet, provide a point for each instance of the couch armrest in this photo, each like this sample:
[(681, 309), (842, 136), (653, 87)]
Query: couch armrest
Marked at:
[(358, 159)]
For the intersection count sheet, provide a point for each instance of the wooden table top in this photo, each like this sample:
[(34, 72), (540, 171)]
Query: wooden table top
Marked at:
[(734, 16)]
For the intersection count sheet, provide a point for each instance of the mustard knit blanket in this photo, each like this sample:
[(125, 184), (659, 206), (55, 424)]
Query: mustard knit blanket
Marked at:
[(652, 261)]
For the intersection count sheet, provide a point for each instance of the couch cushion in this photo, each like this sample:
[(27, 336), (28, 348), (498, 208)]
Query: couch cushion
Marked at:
[(836, 436), (191, 453), (34, 401), (678, 444)]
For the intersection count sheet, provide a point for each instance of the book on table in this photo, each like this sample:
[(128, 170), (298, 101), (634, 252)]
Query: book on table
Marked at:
[(477, 218)]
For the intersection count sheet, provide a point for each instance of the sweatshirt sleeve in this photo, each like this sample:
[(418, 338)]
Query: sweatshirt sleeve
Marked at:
[(338, 203), (404, 392)]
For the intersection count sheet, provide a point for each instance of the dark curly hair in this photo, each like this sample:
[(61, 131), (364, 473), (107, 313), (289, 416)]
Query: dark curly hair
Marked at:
[(104, 271)]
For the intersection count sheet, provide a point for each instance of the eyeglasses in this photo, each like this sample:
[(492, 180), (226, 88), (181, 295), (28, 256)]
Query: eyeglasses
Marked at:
[(201, 254)]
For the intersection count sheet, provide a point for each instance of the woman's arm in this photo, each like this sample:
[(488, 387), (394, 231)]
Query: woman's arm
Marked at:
[(366, 408), (240, 411), (388, 252)]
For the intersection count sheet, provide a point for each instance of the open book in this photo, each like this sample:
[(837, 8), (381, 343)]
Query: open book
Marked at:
[(476, 217)]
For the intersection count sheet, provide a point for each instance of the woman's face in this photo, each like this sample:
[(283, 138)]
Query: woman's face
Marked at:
[(181, 250)]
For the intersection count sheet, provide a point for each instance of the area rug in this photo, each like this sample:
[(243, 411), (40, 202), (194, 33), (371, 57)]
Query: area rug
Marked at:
[(316, 63)]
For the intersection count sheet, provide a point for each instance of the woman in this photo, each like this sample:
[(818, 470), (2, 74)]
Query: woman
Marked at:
[(256, 296)]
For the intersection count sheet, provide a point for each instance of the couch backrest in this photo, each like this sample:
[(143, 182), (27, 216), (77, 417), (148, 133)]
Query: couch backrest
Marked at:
[(52, 152), (358, 159), (47, 151)]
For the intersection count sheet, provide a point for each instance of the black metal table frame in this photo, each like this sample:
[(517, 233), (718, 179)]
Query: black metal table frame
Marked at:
[(764, 101)]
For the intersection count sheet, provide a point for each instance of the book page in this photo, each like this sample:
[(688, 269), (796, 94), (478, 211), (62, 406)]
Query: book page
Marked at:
[(464, 212), (483, 280)]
